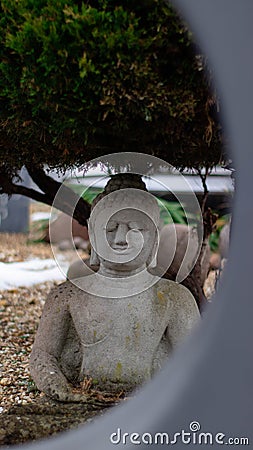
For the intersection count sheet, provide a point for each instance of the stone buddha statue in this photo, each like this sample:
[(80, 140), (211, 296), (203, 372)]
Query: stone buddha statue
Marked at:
[(120, 324)]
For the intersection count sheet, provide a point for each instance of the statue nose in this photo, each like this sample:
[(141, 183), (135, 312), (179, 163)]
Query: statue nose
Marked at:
[(120, 235)]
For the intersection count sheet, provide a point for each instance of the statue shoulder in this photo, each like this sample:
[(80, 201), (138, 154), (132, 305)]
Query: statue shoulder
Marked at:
[(180, 297), (62, 293)]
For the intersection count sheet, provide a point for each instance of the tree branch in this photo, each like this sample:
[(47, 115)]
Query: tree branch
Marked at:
[(10, 188), (67, 198), (43, 181), (203, 178), (65, 202)]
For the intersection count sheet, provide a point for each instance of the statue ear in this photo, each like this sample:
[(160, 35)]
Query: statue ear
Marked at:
[(152, 259), (94, 260)]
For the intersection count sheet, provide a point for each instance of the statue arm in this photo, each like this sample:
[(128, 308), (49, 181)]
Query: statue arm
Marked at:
[(47, 348), (183, 315)]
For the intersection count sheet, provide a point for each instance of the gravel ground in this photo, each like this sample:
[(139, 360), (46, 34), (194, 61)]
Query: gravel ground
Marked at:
[(16, 247), (20, 311)]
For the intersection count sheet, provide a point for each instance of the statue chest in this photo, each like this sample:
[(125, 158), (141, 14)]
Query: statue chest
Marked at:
[(120, 339), (123, 321)]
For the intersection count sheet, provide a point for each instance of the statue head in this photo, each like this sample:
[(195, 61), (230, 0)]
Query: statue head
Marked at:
[(123, 230)]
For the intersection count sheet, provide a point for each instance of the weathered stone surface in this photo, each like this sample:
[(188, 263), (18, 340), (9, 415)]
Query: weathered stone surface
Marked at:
[(119, 342), (64, 228), (178, 251), (215, 261), (81, 268), (224, 241), (118, 325)]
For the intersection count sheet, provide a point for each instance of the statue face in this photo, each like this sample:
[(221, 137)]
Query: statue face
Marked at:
[(131, 235), (123, 229)]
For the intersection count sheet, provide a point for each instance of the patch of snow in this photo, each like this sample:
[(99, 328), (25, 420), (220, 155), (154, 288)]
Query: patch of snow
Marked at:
[(40, 215), (28, 273)]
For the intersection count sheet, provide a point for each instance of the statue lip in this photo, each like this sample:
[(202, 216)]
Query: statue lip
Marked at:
[(121, 248)]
